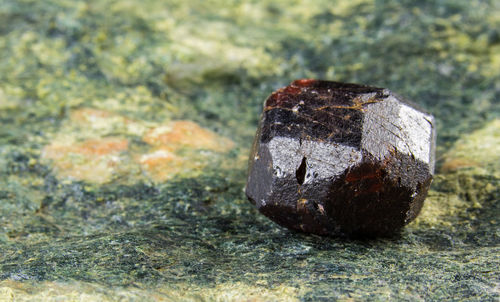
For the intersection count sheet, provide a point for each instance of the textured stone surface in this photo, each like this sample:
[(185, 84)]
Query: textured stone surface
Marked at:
[(341, 159), (170, 220)]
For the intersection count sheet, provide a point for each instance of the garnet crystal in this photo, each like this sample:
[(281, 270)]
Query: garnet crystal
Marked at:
[(341, 159)]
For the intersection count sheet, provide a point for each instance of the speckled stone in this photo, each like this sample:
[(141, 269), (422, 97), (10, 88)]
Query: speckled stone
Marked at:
[(169, 94)]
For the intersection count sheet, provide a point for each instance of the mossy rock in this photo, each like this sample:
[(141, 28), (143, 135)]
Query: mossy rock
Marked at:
[(126, 127)]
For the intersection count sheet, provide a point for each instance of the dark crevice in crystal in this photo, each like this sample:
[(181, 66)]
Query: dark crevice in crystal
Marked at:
[(301, 171)]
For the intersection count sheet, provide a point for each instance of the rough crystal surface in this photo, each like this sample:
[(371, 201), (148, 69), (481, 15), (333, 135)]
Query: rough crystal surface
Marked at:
[(342, 159)]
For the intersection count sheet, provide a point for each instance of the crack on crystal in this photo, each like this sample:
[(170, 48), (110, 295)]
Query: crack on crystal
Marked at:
[(300, 174)]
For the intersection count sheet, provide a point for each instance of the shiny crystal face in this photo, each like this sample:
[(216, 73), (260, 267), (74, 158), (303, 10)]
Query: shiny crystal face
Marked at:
[(393, 125), (341, 159)]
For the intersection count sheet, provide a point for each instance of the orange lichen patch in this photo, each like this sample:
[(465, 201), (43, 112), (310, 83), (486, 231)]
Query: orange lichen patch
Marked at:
[(478, 151), (88, 149), (91, 147), (89, 114), (104, 146), (93, 160), (455, 164), (160, 156), (162, 164), (186, 134)]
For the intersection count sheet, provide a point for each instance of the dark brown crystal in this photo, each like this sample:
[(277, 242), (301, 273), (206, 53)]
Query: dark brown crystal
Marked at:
[(341, 159)]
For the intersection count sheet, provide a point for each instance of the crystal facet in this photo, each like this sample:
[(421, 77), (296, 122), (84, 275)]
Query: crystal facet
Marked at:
[(341, 159)]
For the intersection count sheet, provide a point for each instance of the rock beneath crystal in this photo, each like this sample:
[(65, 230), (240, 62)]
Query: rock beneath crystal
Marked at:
[(341, 159)]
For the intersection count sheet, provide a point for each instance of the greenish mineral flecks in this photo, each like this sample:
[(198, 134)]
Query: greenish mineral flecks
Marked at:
[(125, 129)]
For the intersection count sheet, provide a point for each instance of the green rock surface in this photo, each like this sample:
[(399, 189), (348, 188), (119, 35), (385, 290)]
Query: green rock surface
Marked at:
[(94, 205)]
